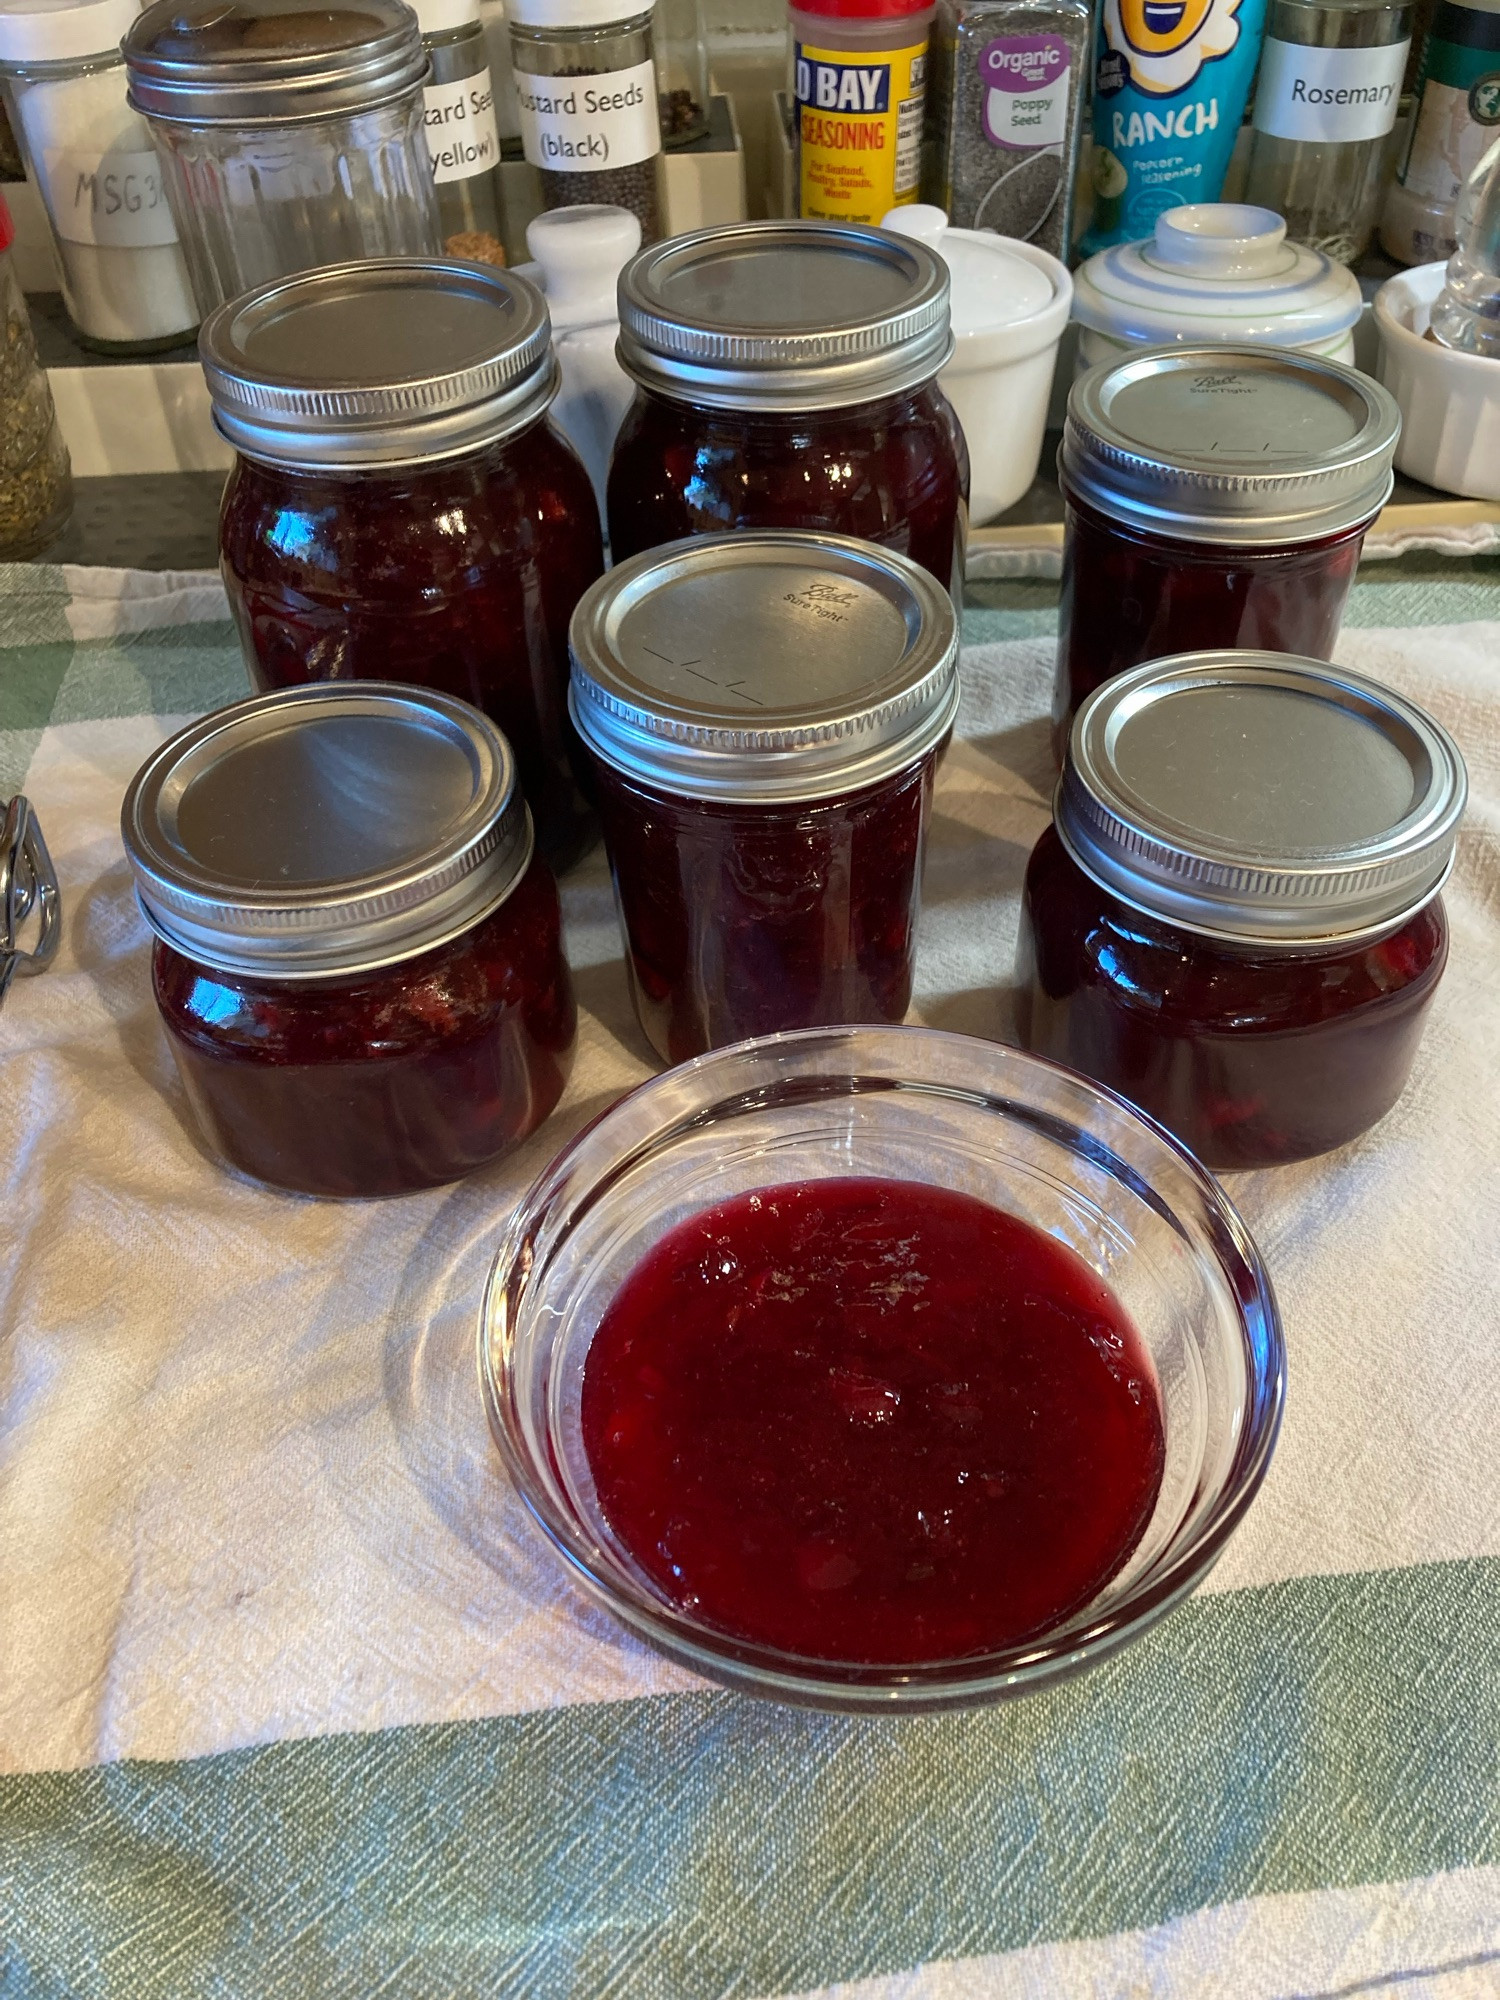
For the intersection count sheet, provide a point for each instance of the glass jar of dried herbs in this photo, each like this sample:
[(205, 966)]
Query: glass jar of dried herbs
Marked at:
[(36, 481)]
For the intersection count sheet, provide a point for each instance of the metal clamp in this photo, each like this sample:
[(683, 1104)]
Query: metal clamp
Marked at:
[(28, 885)]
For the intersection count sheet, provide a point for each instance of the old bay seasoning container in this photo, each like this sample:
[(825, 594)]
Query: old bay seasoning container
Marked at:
[(860, 83)]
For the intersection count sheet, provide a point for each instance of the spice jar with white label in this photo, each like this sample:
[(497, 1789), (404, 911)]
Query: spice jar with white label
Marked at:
[(463, 141), (586, 88), (124, 281), (1325, 106)]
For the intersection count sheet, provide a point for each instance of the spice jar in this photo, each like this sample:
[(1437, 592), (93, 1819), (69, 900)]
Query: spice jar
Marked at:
[(400, 508), (124, 281), (586, 87), (1004, 116), (787, 378), (859, 74), (1234, 920), (1215, 496), (682, 83), (36, 481), (765, 714), (463, 140), (1452, 128), (1325, 105), (359, 962), (287, 139)]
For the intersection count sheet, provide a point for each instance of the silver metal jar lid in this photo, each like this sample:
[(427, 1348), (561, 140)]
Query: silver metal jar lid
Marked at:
[(326, 830), (784, 316), (764, 666), (1261, 797), (388, 361), (1230, 444), (264, 62)]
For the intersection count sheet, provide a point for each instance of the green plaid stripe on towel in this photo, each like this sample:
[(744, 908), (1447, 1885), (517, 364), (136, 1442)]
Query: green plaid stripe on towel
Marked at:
[(293, 1701)]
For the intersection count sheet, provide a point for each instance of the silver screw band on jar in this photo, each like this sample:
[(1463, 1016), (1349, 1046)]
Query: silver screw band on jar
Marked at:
[(326, 830), (186, 69), (1261, 798), (1236, 445), (764, 666), (389, 361), (784, 316)]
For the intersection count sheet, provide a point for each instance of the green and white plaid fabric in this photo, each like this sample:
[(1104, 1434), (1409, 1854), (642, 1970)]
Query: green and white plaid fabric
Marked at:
[(292, 1701)]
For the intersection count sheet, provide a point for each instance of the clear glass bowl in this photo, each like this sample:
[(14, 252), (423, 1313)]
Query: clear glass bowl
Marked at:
[(910, 1104)]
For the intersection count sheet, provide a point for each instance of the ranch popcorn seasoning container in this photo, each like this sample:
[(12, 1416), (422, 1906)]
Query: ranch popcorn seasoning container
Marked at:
[(1170, 83), (860, 79), (1003, 115)]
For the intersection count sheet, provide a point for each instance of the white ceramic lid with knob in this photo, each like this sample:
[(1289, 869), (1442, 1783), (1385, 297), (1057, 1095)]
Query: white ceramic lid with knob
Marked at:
[(1216, 271), (1009, 302)]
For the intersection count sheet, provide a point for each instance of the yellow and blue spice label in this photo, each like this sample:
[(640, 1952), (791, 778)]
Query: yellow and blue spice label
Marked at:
[(859, 130)]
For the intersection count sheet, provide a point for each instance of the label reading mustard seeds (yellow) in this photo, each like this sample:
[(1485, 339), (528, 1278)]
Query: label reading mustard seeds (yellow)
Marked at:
[(859, 131)]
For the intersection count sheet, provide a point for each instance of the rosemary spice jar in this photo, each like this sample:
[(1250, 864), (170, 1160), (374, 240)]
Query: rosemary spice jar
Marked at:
[(586, 87), (1004, 116), (463, 141), (36, 483), (1325, 106)]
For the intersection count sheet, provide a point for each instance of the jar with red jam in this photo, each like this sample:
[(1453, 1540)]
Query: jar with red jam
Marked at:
[(786, 377), (400, 507), (1215, 496), (1234, 918), (358, 958), (765, 714)]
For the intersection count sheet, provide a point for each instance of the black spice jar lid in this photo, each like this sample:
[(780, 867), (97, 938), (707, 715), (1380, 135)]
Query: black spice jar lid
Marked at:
[(784, 315), (764, 666), (388, 361), (270, 62), (1261, 797), (1230, 445), (325, 830)]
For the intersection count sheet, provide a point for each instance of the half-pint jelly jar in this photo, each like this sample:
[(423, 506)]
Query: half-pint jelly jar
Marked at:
[(359, 959), (400, 508), (1215, 496), (765, 713), (787, 378), (1234, 919)]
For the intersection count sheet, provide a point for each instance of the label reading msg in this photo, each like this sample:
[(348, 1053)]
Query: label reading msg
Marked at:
[(587, 124), (114, 199), (461, 134), (1328, 95)]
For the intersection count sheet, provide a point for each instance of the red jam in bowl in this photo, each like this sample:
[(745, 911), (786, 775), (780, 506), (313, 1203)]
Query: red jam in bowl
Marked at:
[(362, 981), (787, 378), (438, 538), (1216, 497), (766, 714), (871, 1421), (1234, 920)]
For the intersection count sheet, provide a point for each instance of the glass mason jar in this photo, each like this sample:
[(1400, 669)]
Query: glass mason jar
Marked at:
[(361, 998), (286, 140), (36, 480), (1325, 107), (787, 378), (400, 508), (463, 140), (124, 281), (682, 80), (1234, 920), (586, 88), (765, 713), (1215, 496)]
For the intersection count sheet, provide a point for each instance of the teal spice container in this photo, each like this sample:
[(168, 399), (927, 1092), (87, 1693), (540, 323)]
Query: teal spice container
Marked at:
[(1170, 82)]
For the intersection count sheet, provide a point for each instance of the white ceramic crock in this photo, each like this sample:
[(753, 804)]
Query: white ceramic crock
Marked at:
[(1010, 305), (1214, 271)]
